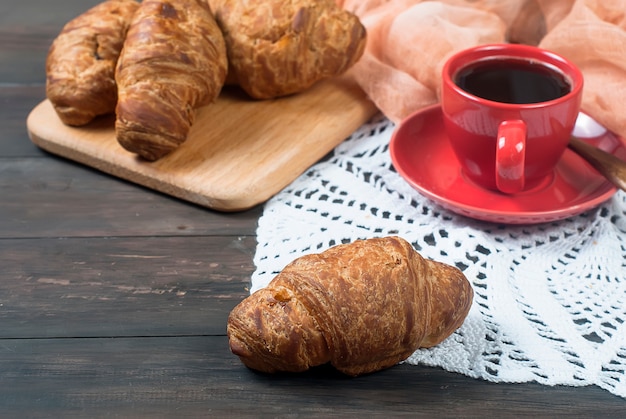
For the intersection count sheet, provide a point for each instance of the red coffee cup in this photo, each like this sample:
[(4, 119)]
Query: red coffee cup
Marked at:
[(509, 111)]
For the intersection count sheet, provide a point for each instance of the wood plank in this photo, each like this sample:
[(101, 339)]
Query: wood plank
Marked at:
[(74, 243), (52, 197), (122, 286), (26, 32), (239, 152), (17, 102), (23, 48), (199, 377)]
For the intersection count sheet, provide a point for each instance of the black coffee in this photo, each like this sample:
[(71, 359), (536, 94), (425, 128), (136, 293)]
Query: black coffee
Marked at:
[(512, 81)]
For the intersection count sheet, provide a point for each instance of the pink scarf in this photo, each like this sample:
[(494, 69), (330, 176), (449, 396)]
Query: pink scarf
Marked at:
[(409, 40)]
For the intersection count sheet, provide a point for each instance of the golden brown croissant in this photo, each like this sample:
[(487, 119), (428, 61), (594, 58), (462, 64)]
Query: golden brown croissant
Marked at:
[(279, 47), (361, 307), (173, 61), (80, 66)]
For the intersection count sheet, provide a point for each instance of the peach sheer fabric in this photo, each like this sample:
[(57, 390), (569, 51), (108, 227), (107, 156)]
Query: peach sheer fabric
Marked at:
[(409, 40)]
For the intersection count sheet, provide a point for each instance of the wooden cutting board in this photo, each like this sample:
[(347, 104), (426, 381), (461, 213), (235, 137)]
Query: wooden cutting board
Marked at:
[(239, 153)]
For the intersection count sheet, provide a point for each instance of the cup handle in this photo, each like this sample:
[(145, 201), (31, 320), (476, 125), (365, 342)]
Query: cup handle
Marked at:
[(510, 156)]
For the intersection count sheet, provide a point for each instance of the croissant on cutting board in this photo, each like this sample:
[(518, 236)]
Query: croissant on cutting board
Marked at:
[(155, 62), (361, 307), (173, 61), (80, 66), (280, 47)]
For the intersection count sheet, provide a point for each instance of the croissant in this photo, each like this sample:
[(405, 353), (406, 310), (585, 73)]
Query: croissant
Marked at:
[(279, 47), (361, 307), (80, 66), (173, 61)]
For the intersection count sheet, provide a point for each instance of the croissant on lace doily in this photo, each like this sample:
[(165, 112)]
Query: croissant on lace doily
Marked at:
[(361, 307), (550, 299)]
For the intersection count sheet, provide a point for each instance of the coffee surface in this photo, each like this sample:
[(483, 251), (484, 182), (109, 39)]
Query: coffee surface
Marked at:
[(512, 81)]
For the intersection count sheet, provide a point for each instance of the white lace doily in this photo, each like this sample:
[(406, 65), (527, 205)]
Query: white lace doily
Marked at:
[(550, 299)]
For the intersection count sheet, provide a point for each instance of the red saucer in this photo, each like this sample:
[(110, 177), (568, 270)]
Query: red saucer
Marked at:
[(422, 155)]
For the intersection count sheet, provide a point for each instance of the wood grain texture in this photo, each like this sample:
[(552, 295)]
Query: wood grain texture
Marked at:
[(49, 197), (194, 376), (94, 287), (114, 298), (239, 153), (17, 102)]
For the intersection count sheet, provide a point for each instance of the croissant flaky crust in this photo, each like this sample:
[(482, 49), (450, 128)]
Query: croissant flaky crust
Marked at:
[(280, 47), (173, 61), (361, 307), (80, 66)]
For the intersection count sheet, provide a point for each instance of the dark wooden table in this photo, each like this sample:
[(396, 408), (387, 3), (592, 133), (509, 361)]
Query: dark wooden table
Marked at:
[(114, 298)]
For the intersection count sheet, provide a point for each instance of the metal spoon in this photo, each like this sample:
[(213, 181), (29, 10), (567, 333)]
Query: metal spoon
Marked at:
[(610, 166)]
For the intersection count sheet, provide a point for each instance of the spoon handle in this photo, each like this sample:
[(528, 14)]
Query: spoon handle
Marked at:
[(610, 166)]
